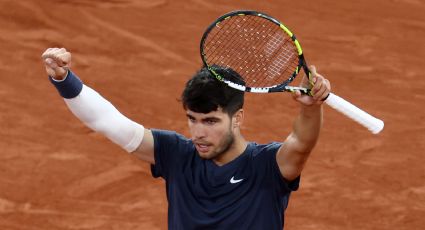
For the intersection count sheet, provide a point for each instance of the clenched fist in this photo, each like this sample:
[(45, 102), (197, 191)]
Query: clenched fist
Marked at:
[(57, 62)]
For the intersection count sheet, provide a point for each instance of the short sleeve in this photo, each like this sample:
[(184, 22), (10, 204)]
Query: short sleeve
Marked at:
[(170, 150), (267, 155)]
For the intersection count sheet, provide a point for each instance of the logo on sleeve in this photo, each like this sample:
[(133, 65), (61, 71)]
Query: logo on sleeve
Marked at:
[(234, 181)]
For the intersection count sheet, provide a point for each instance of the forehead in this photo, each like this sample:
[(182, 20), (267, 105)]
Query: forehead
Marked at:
[(217, 114)]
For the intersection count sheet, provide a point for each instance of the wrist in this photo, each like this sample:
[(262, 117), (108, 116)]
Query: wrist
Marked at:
[(68, 87), (311, 109), (60, 78), (311, 106)]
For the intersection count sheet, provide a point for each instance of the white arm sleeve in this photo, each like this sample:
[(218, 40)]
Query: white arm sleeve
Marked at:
[(101, 116)]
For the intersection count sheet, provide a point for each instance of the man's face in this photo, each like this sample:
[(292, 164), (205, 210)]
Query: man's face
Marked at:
[(211, 132)]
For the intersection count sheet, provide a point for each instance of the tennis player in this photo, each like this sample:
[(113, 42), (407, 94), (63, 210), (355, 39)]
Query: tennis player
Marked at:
[(216, 179)]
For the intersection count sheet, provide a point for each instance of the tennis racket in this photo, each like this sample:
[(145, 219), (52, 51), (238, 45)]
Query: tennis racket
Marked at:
[(267, 55)]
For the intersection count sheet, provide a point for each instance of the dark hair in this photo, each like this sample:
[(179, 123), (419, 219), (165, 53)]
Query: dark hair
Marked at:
[(204, 93)]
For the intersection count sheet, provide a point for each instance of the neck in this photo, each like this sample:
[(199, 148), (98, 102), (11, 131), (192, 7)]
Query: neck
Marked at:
[(235, 150)]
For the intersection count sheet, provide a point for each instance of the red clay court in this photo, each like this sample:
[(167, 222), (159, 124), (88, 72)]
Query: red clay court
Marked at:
[(57, 174)]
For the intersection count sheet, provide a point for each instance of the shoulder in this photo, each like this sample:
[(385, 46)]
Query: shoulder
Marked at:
[(171, 150), (264, 160), (164, 136), (165, 140), (264, 154), (270, 149)]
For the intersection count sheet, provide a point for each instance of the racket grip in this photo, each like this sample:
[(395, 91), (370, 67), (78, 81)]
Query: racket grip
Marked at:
[(373, 124)]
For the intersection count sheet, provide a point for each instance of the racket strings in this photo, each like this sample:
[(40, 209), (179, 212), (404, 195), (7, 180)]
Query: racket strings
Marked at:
[(232, 39), (254, 47)]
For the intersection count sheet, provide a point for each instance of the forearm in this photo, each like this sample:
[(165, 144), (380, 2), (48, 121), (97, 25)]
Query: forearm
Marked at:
[(306, 127), (98, 113)]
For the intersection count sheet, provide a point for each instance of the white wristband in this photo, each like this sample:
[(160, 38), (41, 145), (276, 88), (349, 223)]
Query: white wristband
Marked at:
[(101, 116)]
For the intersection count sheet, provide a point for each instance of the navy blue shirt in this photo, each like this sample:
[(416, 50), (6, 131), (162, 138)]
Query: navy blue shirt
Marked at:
[(246, 193)]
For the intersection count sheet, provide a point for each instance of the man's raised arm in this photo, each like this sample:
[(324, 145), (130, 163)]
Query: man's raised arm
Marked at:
[(94, 110)]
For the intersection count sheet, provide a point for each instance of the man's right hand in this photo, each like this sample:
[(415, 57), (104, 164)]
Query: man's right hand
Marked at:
[(57, 62)]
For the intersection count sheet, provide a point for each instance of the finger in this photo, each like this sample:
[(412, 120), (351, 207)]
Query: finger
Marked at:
[(46, 53), (318, 82), (313, 75), (51, 64), (49, 69), (49, 53), (65, 58), (328, 90), (57, 53), (324, 91), (53, 69), (313, 70), (296, 94), (60, 55), (62, 59), (321, 93)]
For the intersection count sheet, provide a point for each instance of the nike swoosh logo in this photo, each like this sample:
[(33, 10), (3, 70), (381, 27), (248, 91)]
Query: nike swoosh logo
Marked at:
[(233, 181)]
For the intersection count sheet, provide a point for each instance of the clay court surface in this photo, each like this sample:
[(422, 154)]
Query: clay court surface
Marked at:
[(57, 174)]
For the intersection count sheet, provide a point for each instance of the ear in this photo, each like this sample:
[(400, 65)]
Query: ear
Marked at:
[(238, 118)]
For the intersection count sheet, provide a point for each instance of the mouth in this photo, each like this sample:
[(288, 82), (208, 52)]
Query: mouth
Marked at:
[(202, 147)]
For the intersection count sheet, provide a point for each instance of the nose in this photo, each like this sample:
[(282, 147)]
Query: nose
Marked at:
[(197, 131)]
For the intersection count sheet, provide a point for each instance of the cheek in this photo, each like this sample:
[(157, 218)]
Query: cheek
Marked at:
[(221, 134), (190, 126)]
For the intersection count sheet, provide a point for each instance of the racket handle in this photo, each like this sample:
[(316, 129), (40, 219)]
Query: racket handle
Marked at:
[(373, 124)]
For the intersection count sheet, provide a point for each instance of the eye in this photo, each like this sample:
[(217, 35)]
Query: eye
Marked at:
[(191, 119), (210, 121)]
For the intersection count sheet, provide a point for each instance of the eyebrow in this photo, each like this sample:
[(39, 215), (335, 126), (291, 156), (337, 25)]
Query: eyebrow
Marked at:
[(190, 116), (213, 118)]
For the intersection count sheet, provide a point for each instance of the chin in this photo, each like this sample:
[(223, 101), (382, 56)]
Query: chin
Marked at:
[(208, 155)]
